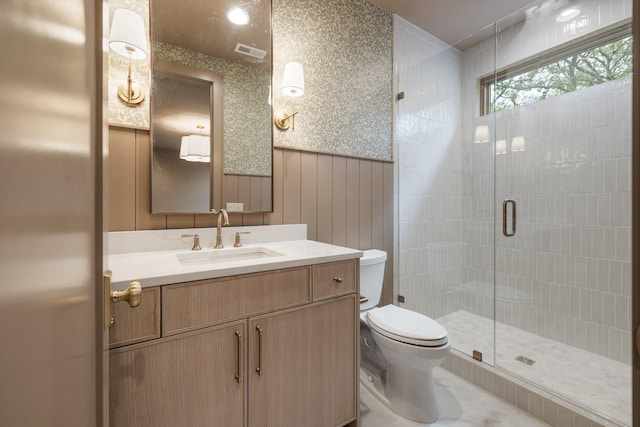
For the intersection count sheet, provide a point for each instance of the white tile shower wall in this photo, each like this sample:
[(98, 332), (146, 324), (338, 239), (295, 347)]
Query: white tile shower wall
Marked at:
[(572, 184), (573, 244), (429, 170)]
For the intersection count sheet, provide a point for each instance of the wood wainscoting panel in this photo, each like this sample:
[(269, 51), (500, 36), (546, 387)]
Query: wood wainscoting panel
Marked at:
[(366, 209), (291, 188), (180, 220), (275, 217), (324, 224), (309, 193), (353, 203), (339, 201), (144, 219), (377, 205), (122, 175)]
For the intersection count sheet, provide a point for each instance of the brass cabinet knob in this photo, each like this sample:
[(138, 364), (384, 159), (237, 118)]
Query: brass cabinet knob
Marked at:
[(132, 295), (337, 279)]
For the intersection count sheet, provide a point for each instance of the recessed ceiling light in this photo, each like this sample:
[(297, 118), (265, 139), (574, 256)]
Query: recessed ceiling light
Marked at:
[(568, 14), (238, 16)]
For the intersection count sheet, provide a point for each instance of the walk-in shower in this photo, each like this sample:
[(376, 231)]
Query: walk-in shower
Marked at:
[(513, 175)]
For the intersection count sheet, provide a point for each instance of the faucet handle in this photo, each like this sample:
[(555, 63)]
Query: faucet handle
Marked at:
[(196, 241), (237, 242)]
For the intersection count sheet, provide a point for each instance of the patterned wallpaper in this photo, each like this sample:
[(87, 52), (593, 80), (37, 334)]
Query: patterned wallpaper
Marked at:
[(345, 47), (247, 115)]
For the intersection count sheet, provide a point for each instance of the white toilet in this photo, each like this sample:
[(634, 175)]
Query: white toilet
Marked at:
[(398, 348)]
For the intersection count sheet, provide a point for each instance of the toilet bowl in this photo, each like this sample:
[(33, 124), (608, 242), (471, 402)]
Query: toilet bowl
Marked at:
[(399, 348)]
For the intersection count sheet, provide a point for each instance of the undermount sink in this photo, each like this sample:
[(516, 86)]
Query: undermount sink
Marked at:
[(215, 256)]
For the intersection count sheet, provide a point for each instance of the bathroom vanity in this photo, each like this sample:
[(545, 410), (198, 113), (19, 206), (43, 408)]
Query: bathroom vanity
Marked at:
[(275, 345)]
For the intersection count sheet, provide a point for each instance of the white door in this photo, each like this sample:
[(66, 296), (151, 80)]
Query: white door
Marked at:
[(50, 228)]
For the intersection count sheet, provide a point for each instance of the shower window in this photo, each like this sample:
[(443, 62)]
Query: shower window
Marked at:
[(581, 63)]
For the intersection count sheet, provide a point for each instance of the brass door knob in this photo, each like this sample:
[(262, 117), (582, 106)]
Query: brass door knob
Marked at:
[(132, 295)]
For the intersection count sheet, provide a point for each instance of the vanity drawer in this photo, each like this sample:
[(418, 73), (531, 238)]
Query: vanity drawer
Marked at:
[(136, 324), (209, 302), (333, 279)]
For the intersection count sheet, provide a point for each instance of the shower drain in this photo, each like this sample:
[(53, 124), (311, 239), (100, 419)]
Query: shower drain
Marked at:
[(525, 360)]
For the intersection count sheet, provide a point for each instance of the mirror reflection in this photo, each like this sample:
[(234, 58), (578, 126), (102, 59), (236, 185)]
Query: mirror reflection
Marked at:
[(181, 132), (202, 38)]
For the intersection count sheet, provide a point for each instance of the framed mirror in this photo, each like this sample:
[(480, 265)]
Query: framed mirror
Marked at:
[(211, 79)]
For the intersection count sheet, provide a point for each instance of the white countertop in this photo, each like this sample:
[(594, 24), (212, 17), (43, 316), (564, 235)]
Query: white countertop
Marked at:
[(152, 268)]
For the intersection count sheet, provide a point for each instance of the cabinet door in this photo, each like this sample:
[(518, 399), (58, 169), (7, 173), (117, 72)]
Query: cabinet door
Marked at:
[(134, 326), (307, 360), (188, 380)]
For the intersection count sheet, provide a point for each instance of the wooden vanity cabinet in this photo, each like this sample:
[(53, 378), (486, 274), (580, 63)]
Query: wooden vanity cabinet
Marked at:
[(253, 350), (185, 380), (141, 324), (307, 364)]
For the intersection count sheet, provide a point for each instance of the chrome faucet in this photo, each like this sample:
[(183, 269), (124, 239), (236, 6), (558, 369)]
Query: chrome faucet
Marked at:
[(221, 213)]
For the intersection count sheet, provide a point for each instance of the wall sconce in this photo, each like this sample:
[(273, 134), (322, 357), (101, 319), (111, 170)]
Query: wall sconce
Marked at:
[(481, 135), (292, 86), (196, 148), (129, 39)]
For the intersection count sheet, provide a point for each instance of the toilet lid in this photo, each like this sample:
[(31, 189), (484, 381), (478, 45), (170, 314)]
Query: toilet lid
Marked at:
[(407, 326)]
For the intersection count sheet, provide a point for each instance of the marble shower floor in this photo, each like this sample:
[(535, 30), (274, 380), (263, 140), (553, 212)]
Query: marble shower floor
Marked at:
[(461, 403), (592, 381)]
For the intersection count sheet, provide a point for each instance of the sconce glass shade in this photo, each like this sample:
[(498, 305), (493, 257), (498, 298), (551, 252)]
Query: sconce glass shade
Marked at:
[(128, 36), (501, 146), (195, 148), (481, 134), (518, 143), (293, 80)]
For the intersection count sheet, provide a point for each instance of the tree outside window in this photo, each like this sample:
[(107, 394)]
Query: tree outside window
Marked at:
[(611, 61)]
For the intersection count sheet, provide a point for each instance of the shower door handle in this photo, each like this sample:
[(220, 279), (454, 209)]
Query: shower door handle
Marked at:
[(505, 206)]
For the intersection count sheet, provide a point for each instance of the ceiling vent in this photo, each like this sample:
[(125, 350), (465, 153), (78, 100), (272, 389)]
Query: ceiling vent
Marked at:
[(254, 52)]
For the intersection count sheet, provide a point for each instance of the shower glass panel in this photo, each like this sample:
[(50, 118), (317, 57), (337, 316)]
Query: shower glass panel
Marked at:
[(514, 194), (445, 189), (560, 100)]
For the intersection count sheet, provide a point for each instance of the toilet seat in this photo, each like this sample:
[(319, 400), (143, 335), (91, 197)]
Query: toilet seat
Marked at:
[(407, 326)]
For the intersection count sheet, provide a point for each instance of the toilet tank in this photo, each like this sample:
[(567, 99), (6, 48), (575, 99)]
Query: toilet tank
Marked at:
[(371, 276)]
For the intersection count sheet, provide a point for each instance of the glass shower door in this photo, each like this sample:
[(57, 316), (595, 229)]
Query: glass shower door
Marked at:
[(563, 203)]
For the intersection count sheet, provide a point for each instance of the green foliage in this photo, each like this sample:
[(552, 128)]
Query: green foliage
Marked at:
[(611, 61)]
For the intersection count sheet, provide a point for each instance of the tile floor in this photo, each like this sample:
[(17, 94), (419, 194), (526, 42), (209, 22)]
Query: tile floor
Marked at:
[(462, 404), (592, 381)]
